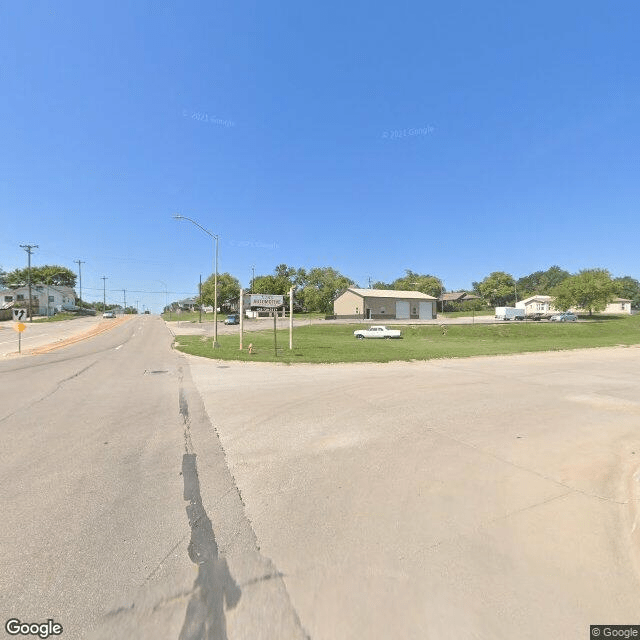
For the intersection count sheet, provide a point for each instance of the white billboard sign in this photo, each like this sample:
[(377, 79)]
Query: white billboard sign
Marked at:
[(263, 300)]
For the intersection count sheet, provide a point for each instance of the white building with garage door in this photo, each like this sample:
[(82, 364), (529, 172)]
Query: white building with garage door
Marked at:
[(384, 304)]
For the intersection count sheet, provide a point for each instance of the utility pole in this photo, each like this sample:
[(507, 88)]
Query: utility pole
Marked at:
[(28, 248), (124, 295), (104, 293), (79, 263), (253, 277)]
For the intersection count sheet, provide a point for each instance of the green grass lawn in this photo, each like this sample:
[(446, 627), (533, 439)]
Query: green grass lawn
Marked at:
[(336, 343)]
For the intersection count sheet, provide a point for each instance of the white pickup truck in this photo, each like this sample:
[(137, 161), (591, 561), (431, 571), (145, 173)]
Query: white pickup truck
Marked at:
[(378, 331)]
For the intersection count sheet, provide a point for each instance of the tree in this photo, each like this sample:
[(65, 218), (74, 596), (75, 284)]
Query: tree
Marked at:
[(283, 278), (590, 289), (322, 286), (629, 288), (228, 291), (51, 274), (498, 288), (3, 278), (541, 282), (425, 283)]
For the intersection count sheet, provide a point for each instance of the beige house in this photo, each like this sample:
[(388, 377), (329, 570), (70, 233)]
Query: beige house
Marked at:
[(619, 305), (384, 304)]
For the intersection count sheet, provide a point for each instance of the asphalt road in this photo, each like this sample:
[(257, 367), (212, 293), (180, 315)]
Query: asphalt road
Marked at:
[(118, 509)]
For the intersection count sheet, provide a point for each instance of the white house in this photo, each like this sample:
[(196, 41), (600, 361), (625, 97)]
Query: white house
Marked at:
[(537, 304), (544, 304), (46, 299)]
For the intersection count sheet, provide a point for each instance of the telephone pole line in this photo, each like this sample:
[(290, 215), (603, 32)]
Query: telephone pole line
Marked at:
[(104, 293), (124, 295), (80, 263), (29, 249)]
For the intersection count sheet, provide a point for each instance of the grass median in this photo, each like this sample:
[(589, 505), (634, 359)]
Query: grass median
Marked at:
[(336, 343)]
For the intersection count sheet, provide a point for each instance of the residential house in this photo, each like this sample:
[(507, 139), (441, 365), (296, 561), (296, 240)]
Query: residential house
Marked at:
[(46, 299)]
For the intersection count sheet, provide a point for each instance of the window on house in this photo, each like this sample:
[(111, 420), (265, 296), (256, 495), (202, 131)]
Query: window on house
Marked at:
[(8, 298), (20, 296)]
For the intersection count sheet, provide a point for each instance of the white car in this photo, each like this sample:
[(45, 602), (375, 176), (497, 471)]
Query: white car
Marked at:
[(108, 314), (378, 331)]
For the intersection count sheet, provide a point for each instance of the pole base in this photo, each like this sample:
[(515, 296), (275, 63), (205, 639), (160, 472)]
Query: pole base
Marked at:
[(216, 345)]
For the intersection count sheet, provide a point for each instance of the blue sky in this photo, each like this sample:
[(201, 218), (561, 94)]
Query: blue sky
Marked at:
[(454, 139)]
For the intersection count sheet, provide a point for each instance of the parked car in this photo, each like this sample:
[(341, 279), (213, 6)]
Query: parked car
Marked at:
[(564, 317), (108, 314), (378, 331), (232, 319), (147, 311)]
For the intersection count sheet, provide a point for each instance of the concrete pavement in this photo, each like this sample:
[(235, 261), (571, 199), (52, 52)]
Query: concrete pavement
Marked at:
[(486, 498)]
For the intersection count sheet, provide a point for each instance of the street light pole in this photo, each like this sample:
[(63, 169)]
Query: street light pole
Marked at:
[(215, 280)]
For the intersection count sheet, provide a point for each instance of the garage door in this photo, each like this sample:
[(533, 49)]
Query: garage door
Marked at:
[(402, 309), (426, 310)]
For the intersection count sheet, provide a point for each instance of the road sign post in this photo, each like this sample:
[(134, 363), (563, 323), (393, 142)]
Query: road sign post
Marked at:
[(19, 327)]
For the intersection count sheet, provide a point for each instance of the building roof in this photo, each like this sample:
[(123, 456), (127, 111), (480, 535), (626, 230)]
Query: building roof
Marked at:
[(537, 299), (39, 286), (458, 296), (390, 293)]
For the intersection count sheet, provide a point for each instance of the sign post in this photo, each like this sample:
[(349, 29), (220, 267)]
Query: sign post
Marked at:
[(291, 319), (241, 315), (275, 338), (266, 302), (19, 327)]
